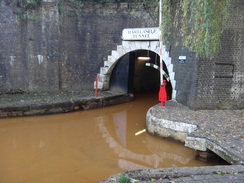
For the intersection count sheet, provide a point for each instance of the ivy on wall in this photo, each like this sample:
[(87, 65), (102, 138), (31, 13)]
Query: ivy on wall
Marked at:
[(78, 10), (29, 3), (24, 3), (21, 7), (200, 23)]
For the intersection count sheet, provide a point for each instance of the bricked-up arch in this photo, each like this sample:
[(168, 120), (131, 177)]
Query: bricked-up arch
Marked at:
[(126, 47)]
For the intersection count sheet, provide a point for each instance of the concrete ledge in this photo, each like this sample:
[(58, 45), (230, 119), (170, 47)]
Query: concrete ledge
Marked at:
[(224, 153), (117, 99), (216, 130), (184, 173), (166, 128), (67, 105), (196, 143)]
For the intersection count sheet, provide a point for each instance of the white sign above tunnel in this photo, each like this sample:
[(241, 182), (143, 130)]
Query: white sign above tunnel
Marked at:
[(139, 34)]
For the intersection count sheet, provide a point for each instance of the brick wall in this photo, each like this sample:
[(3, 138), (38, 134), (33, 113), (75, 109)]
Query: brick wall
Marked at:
[(185, 74), (59, 47), (217, 83), (221, 80)]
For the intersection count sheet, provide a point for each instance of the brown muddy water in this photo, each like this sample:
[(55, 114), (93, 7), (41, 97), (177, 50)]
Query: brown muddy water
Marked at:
[(85, 146)]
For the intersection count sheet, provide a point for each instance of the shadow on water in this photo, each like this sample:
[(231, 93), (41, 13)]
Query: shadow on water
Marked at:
[(85, 146)]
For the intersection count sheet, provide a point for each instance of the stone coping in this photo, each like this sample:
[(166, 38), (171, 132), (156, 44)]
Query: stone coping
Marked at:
[(220, 131), (50, 103), (183, 174)]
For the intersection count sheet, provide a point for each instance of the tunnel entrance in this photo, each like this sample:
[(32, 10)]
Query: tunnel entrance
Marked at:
[(131, 75), (128, 73)]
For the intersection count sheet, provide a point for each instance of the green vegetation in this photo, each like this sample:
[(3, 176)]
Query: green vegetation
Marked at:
[(24, 3), (23, 6), (200, 23), (78, 10), (218, 173), (124, 179)]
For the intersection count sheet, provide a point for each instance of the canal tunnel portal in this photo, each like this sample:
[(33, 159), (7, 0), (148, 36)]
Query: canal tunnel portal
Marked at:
[(124, 71), (131, 73)]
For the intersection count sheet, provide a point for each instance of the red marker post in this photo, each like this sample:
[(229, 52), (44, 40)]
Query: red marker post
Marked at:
[(162, 95), (96, 90)]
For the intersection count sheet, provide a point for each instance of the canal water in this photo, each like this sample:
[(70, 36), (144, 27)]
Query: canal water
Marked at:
[(85, 146)]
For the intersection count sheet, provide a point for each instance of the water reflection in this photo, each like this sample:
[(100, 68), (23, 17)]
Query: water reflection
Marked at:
[(128, 160), (86, 146)]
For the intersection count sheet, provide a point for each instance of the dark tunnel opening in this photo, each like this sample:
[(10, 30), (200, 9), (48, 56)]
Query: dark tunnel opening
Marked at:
[(131, 75)]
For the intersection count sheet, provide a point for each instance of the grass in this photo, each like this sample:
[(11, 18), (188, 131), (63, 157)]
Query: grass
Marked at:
[(124, 179)]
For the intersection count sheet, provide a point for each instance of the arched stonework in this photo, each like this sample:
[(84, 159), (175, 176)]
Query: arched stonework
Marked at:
[(126, 47)]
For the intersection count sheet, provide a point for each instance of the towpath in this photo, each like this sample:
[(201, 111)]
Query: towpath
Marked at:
[(16, 105), (221, 131)]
